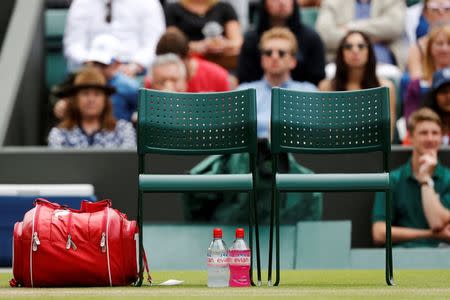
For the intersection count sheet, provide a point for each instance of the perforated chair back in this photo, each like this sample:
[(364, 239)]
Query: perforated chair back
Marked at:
[(198, 124), (330, 122), (188, 123)]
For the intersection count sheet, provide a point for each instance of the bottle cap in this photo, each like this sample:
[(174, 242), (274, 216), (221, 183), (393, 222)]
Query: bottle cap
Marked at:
[(217, 232), (239, 233)]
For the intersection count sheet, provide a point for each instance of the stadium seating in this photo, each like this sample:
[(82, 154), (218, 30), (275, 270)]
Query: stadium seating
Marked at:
[(329, 123), (56, 69), (198, 124)]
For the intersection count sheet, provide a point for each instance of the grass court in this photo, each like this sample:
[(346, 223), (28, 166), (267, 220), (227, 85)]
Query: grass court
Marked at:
[(304, 284)]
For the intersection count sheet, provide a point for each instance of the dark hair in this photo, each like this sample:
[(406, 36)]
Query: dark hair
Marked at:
[(369, 79), (173, 41), (293, 22), (430, 101)]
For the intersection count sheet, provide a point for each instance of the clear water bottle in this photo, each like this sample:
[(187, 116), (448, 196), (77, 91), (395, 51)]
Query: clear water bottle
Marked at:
[(217, 261), (239, 260)]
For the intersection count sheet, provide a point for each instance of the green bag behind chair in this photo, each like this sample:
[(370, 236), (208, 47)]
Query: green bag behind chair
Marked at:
[(232, 208)]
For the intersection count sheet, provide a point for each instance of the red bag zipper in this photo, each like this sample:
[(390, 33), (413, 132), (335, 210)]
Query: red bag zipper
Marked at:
[(70, 243)]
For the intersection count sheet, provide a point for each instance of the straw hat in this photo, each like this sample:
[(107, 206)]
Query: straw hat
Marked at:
[(89, 77)]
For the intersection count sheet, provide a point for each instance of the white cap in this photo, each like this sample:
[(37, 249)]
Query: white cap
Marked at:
[(104, 49)]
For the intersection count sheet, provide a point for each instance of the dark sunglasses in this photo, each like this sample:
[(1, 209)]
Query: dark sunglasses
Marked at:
[(359, 46), (269, 52), (108, 17)]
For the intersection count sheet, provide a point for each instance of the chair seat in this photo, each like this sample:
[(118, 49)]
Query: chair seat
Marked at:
[(179, 183), (333, 182)]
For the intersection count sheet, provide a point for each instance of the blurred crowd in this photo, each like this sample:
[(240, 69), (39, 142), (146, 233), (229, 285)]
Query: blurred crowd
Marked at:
[(114, 47), (211, 46)]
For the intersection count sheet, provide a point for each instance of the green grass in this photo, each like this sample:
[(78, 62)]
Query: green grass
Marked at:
[(317, 284)]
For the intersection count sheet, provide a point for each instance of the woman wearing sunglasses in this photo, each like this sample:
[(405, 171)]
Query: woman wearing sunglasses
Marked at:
[(355, 69), (435, 13)]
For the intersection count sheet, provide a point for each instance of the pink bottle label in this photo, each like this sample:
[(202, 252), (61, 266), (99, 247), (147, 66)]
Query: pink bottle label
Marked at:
[(239, 261)]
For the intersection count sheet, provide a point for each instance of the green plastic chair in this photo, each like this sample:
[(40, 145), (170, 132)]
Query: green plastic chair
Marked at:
[(198, 124), (329, 123)]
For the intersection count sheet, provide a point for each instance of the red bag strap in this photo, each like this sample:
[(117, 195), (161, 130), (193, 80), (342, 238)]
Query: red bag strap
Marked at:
[(147, 269)]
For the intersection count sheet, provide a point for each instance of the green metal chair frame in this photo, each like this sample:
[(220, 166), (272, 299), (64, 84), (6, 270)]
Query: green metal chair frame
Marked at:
[(198, 124), (329, 123)]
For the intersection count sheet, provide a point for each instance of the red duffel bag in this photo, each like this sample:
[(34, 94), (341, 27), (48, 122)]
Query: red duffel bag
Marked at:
[(58, 246)]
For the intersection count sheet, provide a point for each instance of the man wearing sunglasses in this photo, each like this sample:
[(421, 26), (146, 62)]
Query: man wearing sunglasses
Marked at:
[(278, 47)]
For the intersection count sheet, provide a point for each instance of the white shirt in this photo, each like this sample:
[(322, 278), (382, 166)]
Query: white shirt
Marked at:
[(137, 24)]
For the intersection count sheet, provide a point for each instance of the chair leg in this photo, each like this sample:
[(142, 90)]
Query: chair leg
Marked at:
[(250, 236), (141, 239), (277, 241), (389, 262), (272, 217), (274, 159), (258, 252)]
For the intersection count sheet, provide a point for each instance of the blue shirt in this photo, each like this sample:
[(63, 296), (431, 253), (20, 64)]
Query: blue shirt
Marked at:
[(382, 53), (264, 98), (124, 100)]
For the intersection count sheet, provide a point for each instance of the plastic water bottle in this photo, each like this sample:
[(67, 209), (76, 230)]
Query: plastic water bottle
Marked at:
[(239, 261), (217, 261)]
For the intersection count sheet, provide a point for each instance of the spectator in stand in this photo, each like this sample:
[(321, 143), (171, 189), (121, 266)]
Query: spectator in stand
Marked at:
[(435, 57), (310, 56), (89, 121), (436, 13), (137, 24), (438, 99), (203, 76), (420, 191), (355, 69), (103, 55), (211, 26), (381, 20), (168, 73), (278, 47), (424, 15)]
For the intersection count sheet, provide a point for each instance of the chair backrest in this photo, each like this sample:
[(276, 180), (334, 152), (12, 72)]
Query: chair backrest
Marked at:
[(197, 123), (330, 122)]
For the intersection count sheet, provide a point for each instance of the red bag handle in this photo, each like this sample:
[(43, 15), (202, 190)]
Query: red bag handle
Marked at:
[(90, 207), (45, 202)]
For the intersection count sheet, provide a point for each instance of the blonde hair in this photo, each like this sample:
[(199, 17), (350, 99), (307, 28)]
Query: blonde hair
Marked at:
[(429, 67), (421, 115), (279, 33)]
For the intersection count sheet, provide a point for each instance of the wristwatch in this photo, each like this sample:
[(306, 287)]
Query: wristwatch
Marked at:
[(429, 181)]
